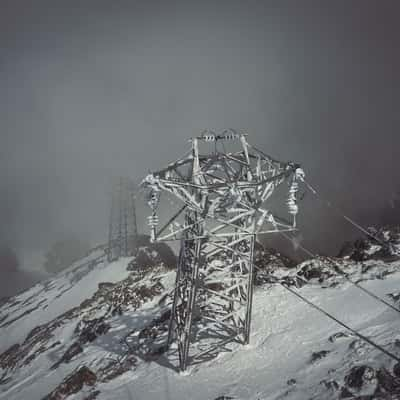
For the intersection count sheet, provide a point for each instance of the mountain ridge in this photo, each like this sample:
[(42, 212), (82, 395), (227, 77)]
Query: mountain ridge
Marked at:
[(98, 330)]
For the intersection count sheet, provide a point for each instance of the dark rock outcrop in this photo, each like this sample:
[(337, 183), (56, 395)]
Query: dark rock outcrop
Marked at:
[(318, 355), (372, 383), (74, 383), (380, 244), (115, 368)]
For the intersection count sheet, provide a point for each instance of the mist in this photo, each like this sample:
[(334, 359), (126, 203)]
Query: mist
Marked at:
[(92, 90)]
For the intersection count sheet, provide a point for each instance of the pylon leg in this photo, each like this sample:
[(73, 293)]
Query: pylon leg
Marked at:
[(185, 293)]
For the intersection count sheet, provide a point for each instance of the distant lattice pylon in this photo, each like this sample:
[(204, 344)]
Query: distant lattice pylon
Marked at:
[(122, 234), (224, 200)]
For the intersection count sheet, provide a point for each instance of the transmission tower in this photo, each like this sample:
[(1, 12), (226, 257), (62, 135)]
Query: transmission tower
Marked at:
[(222, 198), (122, 234)]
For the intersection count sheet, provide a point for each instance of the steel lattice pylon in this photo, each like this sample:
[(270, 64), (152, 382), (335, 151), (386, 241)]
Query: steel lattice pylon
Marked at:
[(223, 197), (122, 231)]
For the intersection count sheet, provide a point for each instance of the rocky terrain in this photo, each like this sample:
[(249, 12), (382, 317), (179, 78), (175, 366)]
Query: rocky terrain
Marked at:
[(98, 330)]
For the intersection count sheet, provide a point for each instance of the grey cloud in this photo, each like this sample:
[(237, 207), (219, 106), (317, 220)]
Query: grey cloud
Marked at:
[(92, 90)]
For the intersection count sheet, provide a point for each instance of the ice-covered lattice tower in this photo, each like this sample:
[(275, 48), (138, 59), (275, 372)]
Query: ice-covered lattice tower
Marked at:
[(224, 199), (122, 231)]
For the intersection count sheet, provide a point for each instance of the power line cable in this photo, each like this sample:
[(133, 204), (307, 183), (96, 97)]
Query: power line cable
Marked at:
[(362, 337), (340, 212), (347, 277)]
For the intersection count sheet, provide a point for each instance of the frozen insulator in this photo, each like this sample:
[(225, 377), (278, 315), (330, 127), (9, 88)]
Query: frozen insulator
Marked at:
[(299, 174), (291, 201), (153, 220), (293, 209), (294, 187), (153, 199)]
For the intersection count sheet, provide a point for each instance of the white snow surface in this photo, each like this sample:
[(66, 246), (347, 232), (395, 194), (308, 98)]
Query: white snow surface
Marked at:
[(285, 333), (53, 297)]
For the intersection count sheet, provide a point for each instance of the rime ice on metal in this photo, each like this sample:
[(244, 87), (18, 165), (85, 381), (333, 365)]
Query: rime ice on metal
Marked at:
[(122, 233), (223, 200)]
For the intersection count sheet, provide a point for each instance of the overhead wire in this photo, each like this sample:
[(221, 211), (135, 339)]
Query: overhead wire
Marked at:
[(361, 336), (359, 227), (327, 314), (283, 282), (341, 213), (340, 271)]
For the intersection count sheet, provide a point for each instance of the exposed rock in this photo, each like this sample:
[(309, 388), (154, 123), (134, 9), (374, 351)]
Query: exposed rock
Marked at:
[(71, 352), (39, 340), (106, 286), (266, 262), (115, 368), (380, 244), (330, 384), (387, 383), (126, 293), (316, 356), (371, 383), (358, 375), (148, 340), (317, 270), (89, 330), (92, 395), (396, 370), (360, 347), (338, 335), (24, 314), (73, 384), (150, 255), (345, 394), (7, 358), (110, 298)]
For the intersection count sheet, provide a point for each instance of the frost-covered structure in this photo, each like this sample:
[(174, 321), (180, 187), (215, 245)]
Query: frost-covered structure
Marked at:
[(122, 231), (224, 203)]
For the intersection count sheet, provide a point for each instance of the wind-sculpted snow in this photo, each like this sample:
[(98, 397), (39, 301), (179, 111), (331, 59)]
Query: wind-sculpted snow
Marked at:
[(98, 331)]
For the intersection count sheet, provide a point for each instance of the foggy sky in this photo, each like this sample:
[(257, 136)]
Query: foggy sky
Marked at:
[(95, 89)]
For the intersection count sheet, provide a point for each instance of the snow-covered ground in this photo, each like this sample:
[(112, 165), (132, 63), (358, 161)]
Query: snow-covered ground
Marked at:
[(293, 354), (47, 300), (285, 334)]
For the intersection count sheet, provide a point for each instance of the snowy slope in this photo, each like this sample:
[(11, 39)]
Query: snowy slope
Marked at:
[(103, 340), (45, 301), (285, 334)]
